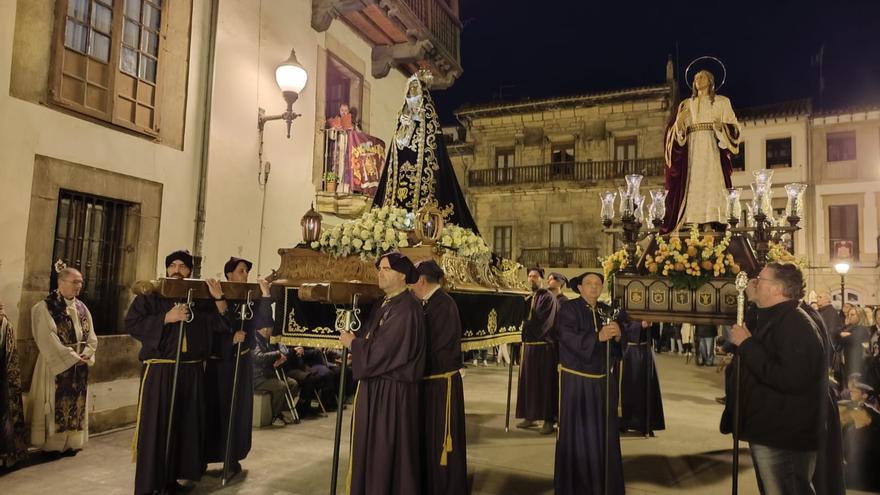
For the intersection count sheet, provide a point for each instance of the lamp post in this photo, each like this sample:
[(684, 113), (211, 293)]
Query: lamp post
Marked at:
[(291, 78), (842, 268)]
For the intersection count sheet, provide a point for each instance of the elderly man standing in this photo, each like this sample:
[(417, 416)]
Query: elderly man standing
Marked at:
[(783, 384), (388, 360), (588, 425), (444, 470), (64, 334)]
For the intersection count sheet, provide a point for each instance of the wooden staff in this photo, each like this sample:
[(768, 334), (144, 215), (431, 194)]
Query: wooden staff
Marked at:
[(246, 313)]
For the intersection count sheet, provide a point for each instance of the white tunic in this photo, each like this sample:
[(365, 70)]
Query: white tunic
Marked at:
[(705, 197), (53, 359)]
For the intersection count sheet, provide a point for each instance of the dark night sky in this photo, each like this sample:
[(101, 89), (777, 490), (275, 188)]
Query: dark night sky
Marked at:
[(539, 48)]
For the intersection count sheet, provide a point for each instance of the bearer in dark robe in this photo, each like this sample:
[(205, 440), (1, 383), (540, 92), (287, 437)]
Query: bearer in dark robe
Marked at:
[(155, 322), (220, 373), (388, 360), (444, 467), (580, 442), (556, 282), (637, 370), (536, 389)]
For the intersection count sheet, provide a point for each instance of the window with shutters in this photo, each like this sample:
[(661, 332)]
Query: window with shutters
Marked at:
[(107, 60)]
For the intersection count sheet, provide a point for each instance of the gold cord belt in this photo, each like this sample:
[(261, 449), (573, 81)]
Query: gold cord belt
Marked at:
[(705, 126), (447, 435)]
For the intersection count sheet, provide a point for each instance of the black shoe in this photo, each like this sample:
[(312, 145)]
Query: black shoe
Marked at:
[(721, 400)]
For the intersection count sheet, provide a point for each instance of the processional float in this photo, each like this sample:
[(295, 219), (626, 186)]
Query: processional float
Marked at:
[(326, 284), (679, 271)]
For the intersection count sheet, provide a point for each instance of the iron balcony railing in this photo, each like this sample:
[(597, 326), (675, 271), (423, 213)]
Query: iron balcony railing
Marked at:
[(560, 257), (572, 171)]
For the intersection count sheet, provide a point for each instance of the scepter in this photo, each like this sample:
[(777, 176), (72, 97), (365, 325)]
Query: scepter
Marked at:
[(347, 320), (168, 431), (245, 313), (742, 281)]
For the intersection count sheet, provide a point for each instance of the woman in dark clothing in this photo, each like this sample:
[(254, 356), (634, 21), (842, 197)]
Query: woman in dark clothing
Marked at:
[(853, 335)]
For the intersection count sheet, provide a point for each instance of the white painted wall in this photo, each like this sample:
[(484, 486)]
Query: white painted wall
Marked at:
[(254, 37), (28, 129)]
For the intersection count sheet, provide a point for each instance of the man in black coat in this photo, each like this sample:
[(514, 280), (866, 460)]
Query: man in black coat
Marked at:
[(783, 384)]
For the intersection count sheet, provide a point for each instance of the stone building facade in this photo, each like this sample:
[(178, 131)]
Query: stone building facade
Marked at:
[(533, 171)]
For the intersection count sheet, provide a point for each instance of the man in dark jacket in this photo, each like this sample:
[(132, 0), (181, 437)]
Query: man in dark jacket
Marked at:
[(267, 357), (783, 384)]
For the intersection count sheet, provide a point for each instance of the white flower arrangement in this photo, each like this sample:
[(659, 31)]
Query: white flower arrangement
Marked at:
[(381, 229), (463, 240)]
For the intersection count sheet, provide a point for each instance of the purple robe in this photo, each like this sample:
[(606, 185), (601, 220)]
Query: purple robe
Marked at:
[(219, 377), (145, 321), (580, 444), (388, 360), (442, 421), (636, 370), (536, 389)]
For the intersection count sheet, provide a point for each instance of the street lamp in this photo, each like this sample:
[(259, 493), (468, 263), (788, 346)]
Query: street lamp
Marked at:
[(842, 268), (291, 78)]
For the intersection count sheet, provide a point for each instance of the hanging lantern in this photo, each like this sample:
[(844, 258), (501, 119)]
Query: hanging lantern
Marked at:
[(429, 224), (311, 225)]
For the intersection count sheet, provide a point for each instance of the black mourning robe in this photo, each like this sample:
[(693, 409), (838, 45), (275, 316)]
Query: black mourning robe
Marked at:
[(637, 369), (444, 470), (536, 390), (145, 322), (581, 436), (219, 377), (418, 171), (388, 360)]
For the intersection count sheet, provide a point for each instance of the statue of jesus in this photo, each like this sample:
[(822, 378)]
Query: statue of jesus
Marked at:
[(700, 145)]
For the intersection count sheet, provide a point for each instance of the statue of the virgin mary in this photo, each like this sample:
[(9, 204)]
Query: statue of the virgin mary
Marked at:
[(417, 170), (700, 145)]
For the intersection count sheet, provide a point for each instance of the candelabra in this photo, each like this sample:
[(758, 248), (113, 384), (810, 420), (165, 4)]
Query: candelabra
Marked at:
[(760, 226)]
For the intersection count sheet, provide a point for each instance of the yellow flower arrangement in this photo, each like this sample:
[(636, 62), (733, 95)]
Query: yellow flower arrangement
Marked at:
[(779, 254), (693, 261), (612, 263)]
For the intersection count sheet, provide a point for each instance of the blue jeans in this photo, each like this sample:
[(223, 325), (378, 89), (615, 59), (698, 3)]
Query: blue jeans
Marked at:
[(783, 472), (707, 351)]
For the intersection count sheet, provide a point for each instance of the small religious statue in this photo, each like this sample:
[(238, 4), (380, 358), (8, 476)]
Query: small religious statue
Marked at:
[(354, 156), (343, 121), (700, 145)]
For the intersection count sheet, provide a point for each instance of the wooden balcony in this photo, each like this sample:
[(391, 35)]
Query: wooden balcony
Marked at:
[(560, 257), (570, 171), (407, 34)]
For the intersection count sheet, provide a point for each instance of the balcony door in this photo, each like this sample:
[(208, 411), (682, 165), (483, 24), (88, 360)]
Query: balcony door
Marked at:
[(560, 241)]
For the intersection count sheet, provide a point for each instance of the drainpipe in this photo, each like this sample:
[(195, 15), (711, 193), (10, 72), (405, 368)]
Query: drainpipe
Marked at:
[(199, 233)]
